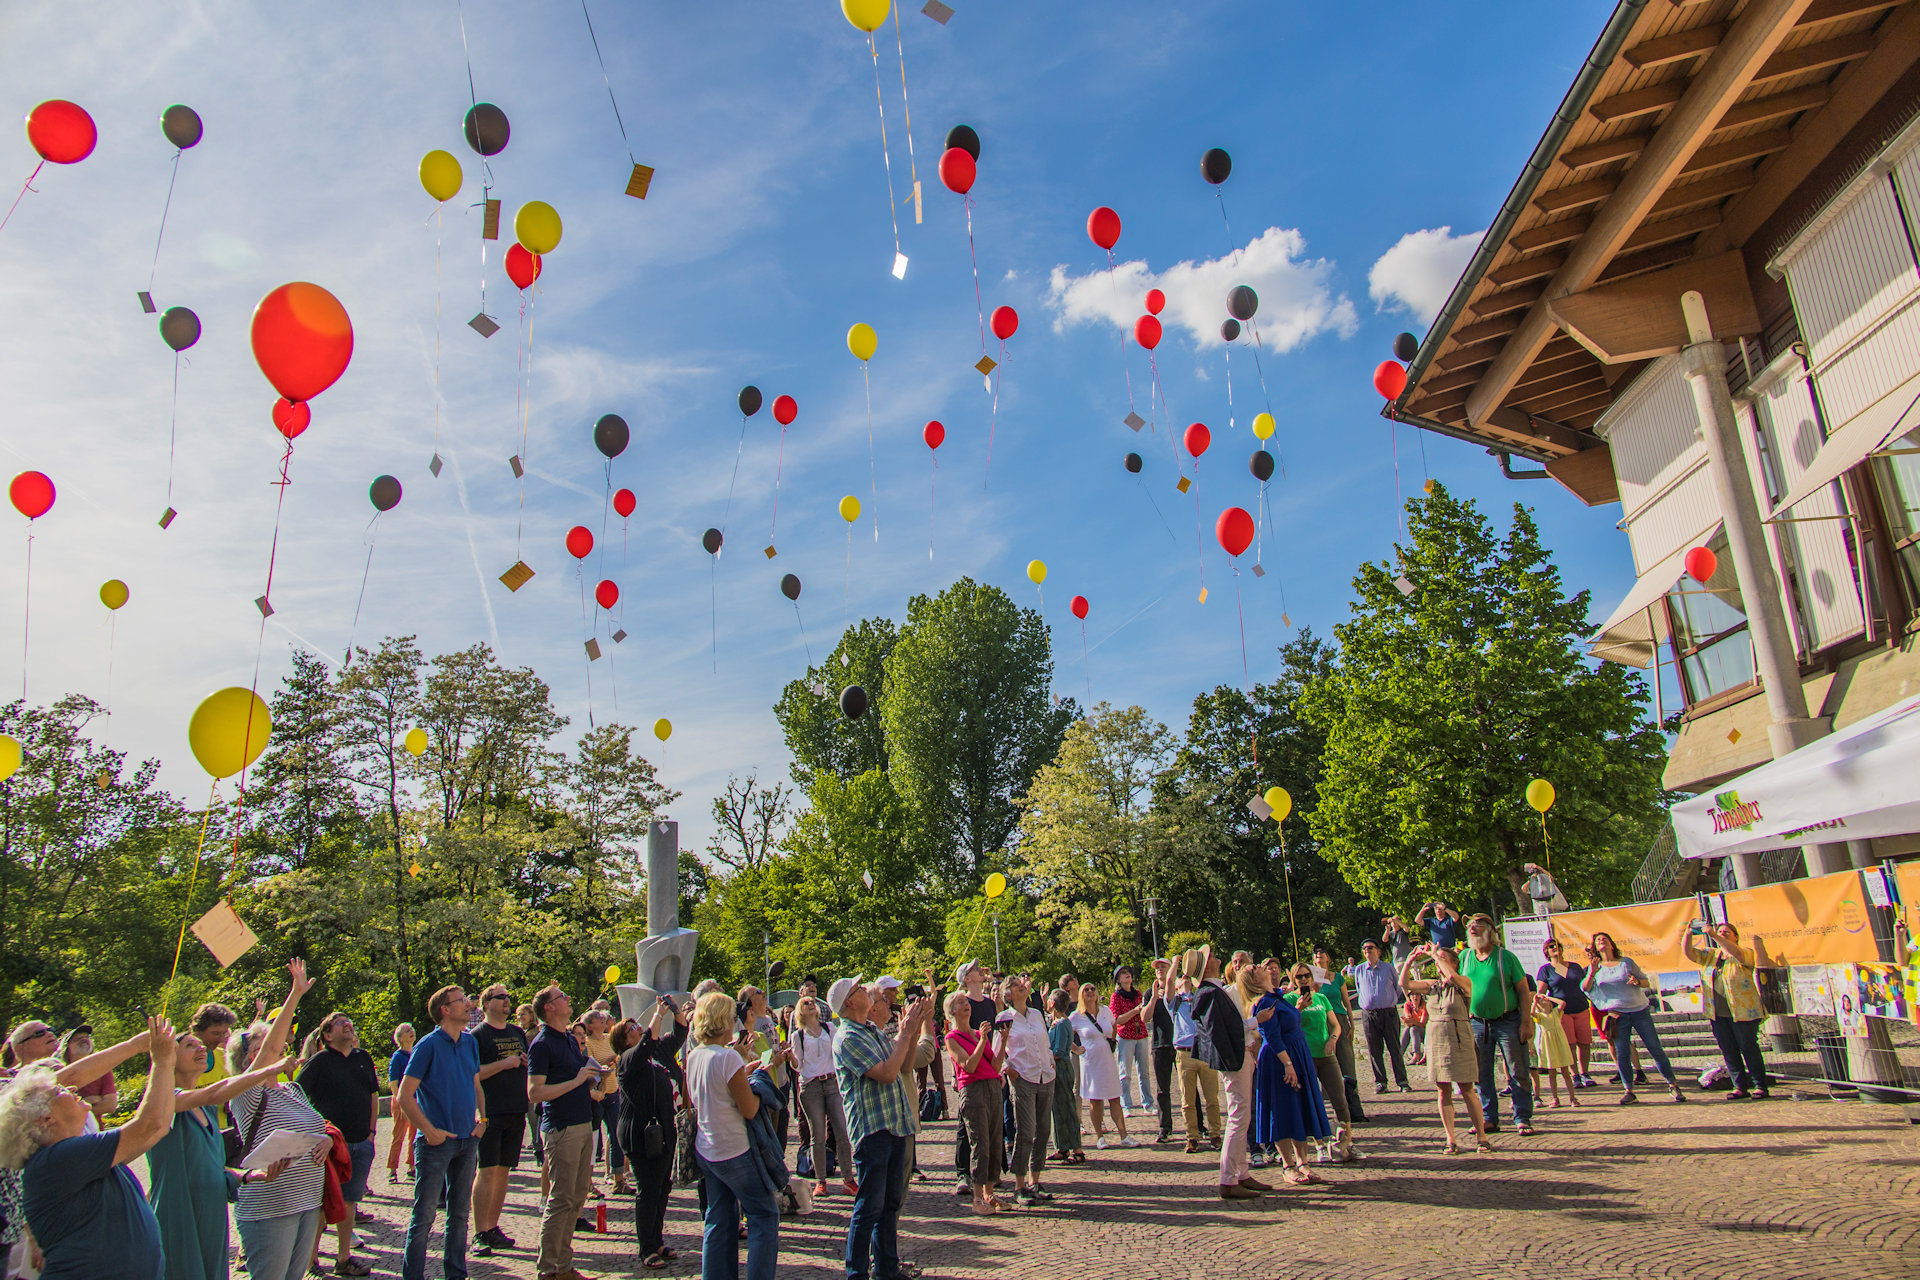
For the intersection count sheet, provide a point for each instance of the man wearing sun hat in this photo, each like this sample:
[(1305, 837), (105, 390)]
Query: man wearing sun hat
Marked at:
[(1198, 1081), (872, 1074)]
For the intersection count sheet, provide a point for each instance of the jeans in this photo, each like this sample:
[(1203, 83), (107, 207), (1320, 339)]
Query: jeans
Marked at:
[(610, 1117), (361, 1154), (732, 1186), (1624, 1025), (1740, 1049), (826, 1117), (1136, 1073), (1383, 1041), (278, 1248), (1032, 1119), (1503, 1034), (569, 1178), (873, 1231), (450, 1165), (1163, 1087)]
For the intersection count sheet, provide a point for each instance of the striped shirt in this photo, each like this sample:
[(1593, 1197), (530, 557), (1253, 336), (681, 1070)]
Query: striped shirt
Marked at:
[(872, 1107), (301, 1186)]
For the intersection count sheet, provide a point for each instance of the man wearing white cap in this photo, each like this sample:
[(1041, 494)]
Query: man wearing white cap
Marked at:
[(880, 1119)]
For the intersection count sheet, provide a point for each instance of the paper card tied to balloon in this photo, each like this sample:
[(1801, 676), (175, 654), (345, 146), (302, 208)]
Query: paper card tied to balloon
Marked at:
[(1134, 420), (264, 605), (1260, 572), (986, 365), (518, 576), (593, 651), (490, 222), (620, 635), (899, 265), (484, 325), (1184, 484), (937, 11), (435, 465), (146, 302), (1259, 808), (166, 517), (1405, 585), (519, 471), (224, 934), (771, 553), (642, 179), (1203, 595)]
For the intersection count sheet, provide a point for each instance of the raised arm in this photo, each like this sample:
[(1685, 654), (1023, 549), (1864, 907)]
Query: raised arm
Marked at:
[(155, 1116), (1409, 983), (887, 1071), (101, 1061), (300, 984), (232, 1087), (1698, 955)]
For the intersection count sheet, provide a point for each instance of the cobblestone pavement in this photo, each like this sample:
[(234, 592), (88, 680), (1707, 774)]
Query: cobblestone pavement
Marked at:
[(1711, 1189)]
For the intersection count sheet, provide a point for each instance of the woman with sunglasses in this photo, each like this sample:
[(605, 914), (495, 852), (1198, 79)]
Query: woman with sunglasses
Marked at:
[(1618, 987), (1322, 1028), (1561, 979), (1451, 1059), (1288, 1112)]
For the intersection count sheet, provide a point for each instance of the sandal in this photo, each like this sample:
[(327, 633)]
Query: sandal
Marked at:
[(986, 1208), (1451, 1149), (1484, 1147), (654, 1262), (669, 1254)]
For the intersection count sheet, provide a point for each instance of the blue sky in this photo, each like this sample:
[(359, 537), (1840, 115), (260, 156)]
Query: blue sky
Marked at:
[(1357, 136)]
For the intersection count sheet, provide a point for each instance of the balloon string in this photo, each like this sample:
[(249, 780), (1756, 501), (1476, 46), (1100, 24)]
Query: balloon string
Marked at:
[(1260, 523), (155, 268), (1142, 483), (112, 620), (892, 211), (932, 484), (173, 427), (738, 450), (1199, 542), (193, 882), (1245, 672), (1279, 450), (1124, 369), (778, 462), (993, 418), (606, 512), (1086, 665), (906, 109), (24, 188), (473, 97), (266, 596), (604, 80), (1399, 504), (523, 397), (373, 526), (1229, 386), (439, 234), (873, 480), (713, 610), (588, 628), (1546, 847), (26, 614), (979, 307), (1233, 243), (846, 599), (1287, 871)]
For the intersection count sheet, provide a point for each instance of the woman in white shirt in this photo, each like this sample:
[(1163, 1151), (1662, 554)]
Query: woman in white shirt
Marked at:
[(1099, 1069), (1029, 1066), (812, 1046), (723, 1101)]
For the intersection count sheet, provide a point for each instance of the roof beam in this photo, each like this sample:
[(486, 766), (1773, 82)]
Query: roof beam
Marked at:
[(1667, 230), (1740, 150), (1452, 381), (1529, 392), (1575, 195), (1730, 182), (1753, 38), (1521, 269), (1569, 403), (1498, 304), (1486, 330), (1661, 50), (1776, 106), (1622, 147), (1832, 10), (1639, 102), (1548, 234), (1815, 57), (1853, 94)]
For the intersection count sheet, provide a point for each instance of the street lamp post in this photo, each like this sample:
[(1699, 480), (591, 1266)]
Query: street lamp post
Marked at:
[(1153, 921), (996, 942)]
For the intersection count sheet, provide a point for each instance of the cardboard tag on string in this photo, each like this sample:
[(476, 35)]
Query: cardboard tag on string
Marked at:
[(166, 517), (1259, 571), (519, 469), (1404, 585), (986, 365), (518, 576), (642, 179), (146, 302), (620, 635), (593, 650), (1134, 420), (771, 553), (224, 934), (1203, 595), (264, 606), (435, 465), (484, 325), (899, 265), (1184, 484), (490, 221), (937, 11), (1259, 808)]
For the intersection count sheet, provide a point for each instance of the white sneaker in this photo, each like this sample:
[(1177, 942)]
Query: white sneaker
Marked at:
[(1129, 1141), (1101, 1142)]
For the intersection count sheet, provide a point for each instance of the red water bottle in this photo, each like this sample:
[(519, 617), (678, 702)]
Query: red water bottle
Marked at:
[(600, 1219)]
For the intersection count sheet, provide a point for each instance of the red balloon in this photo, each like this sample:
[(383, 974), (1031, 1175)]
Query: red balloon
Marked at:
[(1079, 606), (1234, 528), (935, 435), (1146, 332), (1155, 301), (785, 410), (61, 132), (1701, 562), (31, 493), (623, 502), (302, 340), (1005, 322), (579, 542), (1103, 227), (1198, 438), (957, 170), (290, 418), (523, 268), (1390, 379), (607, 593)]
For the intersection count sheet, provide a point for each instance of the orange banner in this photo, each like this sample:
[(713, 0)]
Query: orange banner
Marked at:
[(1906, 876), (1822, 920)]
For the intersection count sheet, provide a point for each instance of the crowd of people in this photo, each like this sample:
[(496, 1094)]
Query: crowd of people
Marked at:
[(1255, 1059)]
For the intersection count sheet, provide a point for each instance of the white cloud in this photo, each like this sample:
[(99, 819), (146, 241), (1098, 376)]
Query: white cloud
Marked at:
[(1297, 297), (1418, 273)]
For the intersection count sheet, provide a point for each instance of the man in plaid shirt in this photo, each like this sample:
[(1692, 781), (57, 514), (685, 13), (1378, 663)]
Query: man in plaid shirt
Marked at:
[(880, 1120)]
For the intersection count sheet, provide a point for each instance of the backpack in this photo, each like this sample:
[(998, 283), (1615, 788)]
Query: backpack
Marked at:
[(933, 1104)]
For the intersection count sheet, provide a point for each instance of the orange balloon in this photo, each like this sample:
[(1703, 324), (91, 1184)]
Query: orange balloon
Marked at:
[(302, 340)]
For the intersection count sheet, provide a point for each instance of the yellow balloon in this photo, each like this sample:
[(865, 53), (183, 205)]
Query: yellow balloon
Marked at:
[(663, 728), (867, 15), (996, 885), (9, 756), (416, 740), (113, 593), (229, 730), (440, 175), (1263, 425), (537, 227), (849, 508), (1280, 802), (1037, 571), (862, 341), (613, 974), (1540, 795)]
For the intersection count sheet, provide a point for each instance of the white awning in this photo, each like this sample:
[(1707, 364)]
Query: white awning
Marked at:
[(1857, 784), (1629, 634), (1893, 414)]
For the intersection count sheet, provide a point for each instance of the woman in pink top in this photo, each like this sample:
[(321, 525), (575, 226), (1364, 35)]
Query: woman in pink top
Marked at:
[(1132, 1015), (976, 1070)]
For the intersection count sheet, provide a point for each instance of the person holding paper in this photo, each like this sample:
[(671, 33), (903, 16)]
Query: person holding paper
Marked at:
[(441, 1093), (278, 1221)]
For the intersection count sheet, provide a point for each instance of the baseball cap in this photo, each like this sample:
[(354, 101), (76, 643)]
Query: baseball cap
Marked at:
[(837, 994), (887, 982), (960, 974)]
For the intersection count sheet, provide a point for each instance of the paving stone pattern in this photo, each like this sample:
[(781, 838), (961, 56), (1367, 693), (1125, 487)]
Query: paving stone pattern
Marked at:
[(1706, 1190)]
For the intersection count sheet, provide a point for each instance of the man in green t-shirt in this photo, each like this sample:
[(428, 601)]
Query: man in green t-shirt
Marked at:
[(1500, 1022)]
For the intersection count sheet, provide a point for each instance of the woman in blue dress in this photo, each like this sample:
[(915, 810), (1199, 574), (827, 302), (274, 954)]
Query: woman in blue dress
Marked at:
[(1288, 1109)]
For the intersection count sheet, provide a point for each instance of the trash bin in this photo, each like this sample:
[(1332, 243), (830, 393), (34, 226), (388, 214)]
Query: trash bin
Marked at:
[(1833, 1060)]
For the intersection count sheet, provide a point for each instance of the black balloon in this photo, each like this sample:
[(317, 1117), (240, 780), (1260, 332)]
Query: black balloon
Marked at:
[(1134, 463), (1406, 347), (1229, 329), (181, 125), (610, 435), (179, 328), (963, 137), (853, 702), (711, 540), (487, 129), (749, 400), (1242, 301), (1261, 465), (1215, 166), (790, 586), (384, 493)]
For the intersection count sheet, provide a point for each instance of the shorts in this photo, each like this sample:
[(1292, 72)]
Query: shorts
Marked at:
[(500, 1144), (361, 1153), (1579, 1027)]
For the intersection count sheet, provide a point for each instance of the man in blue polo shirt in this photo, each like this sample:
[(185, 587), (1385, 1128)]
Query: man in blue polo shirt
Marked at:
[(1379, 994), (441, 1094)]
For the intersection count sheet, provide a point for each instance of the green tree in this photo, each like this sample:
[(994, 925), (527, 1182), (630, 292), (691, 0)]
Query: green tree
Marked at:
[(379, 701), (970, 719), (1447, 699), (819, 737), (487, 727), (301, 793), (749, 821)]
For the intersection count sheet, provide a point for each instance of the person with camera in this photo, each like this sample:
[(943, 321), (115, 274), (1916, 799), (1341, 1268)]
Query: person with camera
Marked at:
[(1398, 938), (1442, 924), (647, 1128), (1452, 1059), (880, 1121), (562, 1076), (1030, 1071), (820, 1101), (1618, 987), (1731, 1001)]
